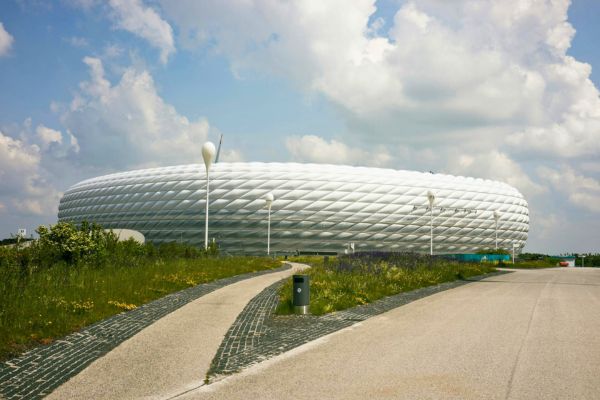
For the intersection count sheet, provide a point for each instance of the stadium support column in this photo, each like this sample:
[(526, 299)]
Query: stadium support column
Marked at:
[(208, 152)]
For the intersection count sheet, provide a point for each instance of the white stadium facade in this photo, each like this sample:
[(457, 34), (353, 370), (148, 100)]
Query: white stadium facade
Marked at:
[(316, 208)]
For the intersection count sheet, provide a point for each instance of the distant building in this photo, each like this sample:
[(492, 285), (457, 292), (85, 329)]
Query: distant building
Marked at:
[(316, 208)]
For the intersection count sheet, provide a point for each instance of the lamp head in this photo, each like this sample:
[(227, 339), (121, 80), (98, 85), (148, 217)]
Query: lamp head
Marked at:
[(496, 215), (269, 198), (208, 153), (430, 197)]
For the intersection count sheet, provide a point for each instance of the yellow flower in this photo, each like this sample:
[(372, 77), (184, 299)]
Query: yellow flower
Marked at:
[(122, 306)]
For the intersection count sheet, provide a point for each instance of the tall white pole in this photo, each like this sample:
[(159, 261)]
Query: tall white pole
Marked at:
[(431, 199), (496, 217), (430, 231), (208, 152), (269, 199), (206, 216), (269, 232), (496, 234)]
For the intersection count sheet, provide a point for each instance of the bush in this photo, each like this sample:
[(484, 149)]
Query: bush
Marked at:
[(591, 260), (65, 242), (91, 245)]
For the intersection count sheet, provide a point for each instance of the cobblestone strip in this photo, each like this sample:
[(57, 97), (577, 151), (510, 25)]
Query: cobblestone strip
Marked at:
[(38, 372), (259, 334)]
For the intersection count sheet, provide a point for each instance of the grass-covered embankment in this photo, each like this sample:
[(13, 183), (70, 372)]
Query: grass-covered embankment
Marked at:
[(534, 261), (55, 287), (348, 281)]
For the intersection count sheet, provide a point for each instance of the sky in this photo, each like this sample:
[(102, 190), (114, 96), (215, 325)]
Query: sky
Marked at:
[(496, 89)]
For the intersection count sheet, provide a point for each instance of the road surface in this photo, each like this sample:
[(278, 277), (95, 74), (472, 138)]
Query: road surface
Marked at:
[(524, 335)]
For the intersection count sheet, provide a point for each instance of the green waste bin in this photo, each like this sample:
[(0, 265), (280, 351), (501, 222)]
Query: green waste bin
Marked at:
[(301, 295)]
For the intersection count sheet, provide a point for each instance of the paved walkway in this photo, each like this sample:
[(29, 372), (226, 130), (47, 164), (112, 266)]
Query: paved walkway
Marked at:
[(173, 354), (524, 335), (258, 334)]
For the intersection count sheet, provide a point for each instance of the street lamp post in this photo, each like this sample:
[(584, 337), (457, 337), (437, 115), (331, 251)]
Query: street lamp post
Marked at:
[(208, 152), (431, 198), (269, 199), (496, 218), (514, 246)]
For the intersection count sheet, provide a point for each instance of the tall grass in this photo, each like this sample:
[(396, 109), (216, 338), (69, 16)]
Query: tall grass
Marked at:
[(348, 281), (44, 295)]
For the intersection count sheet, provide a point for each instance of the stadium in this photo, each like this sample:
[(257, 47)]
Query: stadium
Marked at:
[(317, 208)]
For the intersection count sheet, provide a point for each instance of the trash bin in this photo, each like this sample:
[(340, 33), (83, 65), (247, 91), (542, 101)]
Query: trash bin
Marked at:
[(301, 295)]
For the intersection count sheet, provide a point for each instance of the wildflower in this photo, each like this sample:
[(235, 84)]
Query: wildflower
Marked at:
[(82, 307), (122, 306)]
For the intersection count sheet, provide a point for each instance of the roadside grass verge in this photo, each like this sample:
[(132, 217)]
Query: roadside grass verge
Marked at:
[(38, 305), (362, 278)]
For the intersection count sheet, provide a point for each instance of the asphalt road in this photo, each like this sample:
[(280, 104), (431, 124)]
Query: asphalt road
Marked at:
[(523, 335)]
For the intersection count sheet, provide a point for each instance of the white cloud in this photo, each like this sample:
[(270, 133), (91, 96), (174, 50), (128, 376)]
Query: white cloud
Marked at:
[(315, 149), (55, 142), (494, 165), (231, 155), (128, 124), (23, 184), (442, 66), (581, 191), (77, 41), (145, 22), (47, 135), (112, 51), (6, 40), (549, 224), (591, 166)]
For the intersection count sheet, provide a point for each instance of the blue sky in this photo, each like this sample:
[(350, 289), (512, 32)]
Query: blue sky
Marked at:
[(493, 89)]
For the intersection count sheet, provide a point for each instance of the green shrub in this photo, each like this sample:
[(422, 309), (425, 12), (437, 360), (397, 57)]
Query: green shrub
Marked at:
[(91, 245), (64, 242)]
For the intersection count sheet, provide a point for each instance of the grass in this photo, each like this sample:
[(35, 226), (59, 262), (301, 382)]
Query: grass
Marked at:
[(348, 281), (41, 304)]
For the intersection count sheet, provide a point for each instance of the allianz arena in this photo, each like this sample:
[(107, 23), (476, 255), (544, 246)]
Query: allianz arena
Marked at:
[(317, 208)]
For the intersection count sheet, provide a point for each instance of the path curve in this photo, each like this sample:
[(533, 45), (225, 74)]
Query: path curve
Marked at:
[(172, 355)]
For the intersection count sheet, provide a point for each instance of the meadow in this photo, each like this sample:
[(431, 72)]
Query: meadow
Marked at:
[(73, 277), (338, 283)]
